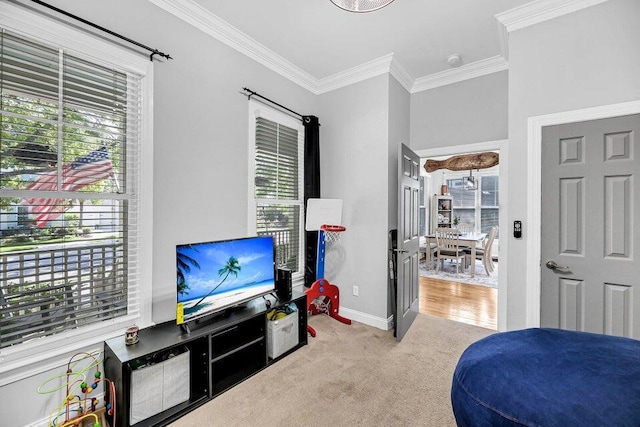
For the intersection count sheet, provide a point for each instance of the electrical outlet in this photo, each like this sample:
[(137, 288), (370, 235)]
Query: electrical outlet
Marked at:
[(355, 291)]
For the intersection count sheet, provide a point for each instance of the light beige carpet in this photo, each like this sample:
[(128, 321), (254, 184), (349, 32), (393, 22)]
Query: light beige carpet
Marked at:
[(353, 375)]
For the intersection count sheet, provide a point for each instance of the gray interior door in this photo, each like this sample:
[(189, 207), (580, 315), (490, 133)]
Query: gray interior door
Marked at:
[(407, 298), (589, 207)]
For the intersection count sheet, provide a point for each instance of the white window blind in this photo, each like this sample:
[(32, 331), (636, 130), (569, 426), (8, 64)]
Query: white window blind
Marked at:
[(476, 207), (69, 163), (278, 195), (489, 203)]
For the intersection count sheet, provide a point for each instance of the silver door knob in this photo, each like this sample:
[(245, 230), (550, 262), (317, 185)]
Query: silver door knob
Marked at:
[(552, 265)]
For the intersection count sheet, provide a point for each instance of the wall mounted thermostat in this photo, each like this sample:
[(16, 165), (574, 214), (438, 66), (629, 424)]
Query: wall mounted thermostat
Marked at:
[(517, 229)]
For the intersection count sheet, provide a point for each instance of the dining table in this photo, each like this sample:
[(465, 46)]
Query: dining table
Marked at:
[(470, 239)]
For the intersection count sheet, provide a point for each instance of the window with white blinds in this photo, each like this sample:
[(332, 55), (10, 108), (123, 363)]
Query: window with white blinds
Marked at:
[(476, 207), (278, 187), (69, 144)]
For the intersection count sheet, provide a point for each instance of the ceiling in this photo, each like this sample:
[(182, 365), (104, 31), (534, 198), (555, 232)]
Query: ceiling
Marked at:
[(322, 40)]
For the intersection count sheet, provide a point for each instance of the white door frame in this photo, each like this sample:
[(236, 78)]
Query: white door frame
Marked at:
[(534, 180), (503, 255)]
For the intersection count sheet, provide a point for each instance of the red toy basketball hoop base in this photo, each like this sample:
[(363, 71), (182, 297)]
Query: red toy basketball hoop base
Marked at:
[(322, 288)]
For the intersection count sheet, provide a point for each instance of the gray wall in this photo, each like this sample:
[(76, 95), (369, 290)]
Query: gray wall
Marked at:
[(585, 59), (200, 130), (399, 133), (466, 112), (354, 162), (200, 152)]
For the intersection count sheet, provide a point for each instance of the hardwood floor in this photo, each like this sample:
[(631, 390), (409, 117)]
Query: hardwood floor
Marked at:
[(471, 304)]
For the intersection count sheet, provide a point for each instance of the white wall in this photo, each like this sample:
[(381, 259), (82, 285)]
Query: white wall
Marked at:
[(200, 151), (585, 59), (467, 112), (354, 163)]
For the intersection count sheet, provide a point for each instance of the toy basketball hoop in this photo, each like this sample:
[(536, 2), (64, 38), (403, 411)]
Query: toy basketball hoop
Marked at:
[(323, 296), (332, 233)]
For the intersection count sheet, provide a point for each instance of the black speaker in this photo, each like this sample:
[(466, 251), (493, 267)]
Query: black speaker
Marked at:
[(283, 284)]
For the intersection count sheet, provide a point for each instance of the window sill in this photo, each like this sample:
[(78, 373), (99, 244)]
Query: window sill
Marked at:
[(38, 356)]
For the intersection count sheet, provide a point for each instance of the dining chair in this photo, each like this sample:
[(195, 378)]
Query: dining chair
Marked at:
[(484, 253), (432, 255), (430, 252), (464, 228), (448, 246)]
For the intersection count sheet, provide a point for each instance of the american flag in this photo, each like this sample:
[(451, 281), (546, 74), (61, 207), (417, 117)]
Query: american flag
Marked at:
[(83, 171)]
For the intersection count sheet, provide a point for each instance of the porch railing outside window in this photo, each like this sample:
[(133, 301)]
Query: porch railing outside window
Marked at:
[(52, 290)]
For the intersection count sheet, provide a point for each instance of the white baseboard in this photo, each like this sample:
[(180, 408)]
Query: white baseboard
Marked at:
[(358, 316), (377, 322)]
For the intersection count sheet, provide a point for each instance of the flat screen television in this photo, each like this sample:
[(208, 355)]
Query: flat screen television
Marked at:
[(214, 276)]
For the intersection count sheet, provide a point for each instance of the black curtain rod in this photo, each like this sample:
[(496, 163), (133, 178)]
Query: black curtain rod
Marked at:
[(252, 93), (84, 21)]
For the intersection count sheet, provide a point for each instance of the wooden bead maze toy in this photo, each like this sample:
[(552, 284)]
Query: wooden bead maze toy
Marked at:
[(80, 407)]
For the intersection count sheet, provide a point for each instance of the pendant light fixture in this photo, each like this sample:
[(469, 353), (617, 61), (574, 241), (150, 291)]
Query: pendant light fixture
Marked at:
[(470, 182), (361, 6)]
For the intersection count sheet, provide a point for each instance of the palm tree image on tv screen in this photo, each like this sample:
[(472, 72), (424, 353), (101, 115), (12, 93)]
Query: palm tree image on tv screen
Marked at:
[(212, 276)]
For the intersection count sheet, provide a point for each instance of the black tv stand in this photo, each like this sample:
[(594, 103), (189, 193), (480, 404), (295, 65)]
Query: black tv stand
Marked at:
[(201, 322), (221, 352)]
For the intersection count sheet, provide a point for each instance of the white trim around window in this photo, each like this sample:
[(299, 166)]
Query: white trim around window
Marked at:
[(256, 110), (32, 358)]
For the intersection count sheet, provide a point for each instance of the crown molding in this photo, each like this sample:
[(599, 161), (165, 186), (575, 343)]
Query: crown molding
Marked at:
[(210, 24), (401, 74), (204, 20), (534, 13), (356, 74), (466, 72), (511, 20), (503, 38)]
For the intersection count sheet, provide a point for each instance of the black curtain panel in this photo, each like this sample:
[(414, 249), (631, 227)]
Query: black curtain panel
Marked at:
[(311, 190)]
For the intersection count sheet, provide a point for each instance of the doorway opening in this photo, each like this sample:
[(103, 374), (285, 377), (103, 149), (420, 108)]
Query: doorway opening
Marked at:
[(469, 295), (448, 201)]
